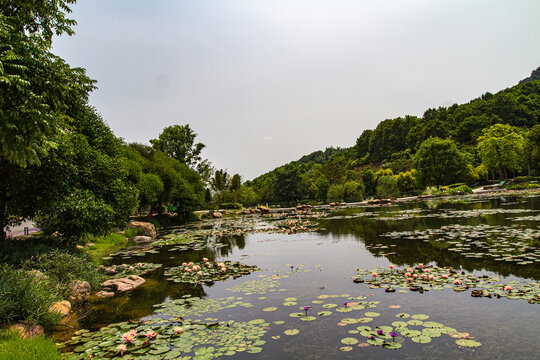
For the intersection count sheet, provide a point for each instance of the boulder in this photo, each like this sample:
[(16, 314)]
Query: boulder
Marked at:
[(104, 294), (38, 275), (123, 284), (142, 239), (217, 215), (27, 330), (79, 290), (146, 228), (62, 307)]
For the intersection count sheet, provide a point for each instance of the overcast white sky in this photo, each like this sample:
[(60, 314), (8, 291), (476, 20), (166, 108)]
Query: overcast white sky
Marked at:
[(264, 82)]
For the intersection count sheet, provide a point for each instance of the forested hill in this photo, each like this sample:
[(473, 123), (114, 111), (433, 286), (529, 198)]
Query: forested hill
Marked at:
[(394, 142), (535, 75)]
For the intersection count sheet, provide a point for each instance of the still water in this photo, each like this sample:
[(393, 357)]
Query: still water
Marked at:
[(494, 237)]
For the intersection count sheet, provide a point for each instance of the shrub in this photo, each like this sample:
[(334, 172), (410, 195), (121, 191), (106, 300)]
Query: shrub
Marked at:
[(386, 185), (352, 191), (23, 297), (434, 191), (406, 182), (464, 189), (335, 193), (13, 347), (63, 267)]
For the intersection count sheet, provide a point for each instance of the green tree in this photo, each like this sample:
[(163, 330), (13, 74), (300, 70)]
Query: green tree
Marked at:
[(288, 184), (438, 161), (312, 192), (150, 189), (369, 181), (352, 191), (236, 182), (323, 185), (386, 185), (336, 193), (406, 181), (178, 141), (362, 143), (501, 147), (532, 147)]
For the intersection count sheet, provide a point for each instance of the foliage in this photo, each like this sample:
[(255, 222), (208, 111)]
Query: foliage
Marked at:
[(336, 193), (230, 206), (386, 185), (532, 148), (369, 181), (150, 188), (463, 189), (501, 146), (23, 297), (106, 244), (438, 161), (406, 181), (288, 184), (63, 267), (362, 143), (388, 137), (323, 185), (13, 347), (178, 141), (352, 191)]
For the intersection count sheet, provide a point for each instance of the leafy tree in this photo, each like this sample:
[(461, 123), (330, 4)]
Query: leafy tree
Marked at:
[(369, 181), (150, 189), (362, 143), (532, 147), (336, 193), (236, 181), (390, 137), (178, 141), (335, 169), (438, 161), (288, 184), (313, 189), (386, 185), (406, 181), (352, 191), (500, 147), (323, 185)]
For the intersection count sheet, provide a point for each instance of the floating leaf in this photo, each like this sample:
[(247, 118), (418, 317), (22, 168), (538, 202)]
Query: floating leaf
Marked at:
[(349, 341), (291, 332), (468, 343)]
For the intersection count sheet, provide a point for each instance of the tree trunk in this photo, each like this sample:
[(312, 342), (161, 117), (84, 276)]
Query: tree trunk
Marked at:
[(501, 173), (505, 174)]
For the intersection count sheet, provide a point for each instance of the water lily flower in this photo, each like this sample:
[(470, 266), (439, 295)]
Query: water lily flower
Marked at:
[(408, 274), (444, 276), (379, 332), (196, 267), (139, 264), (151, 334), (415, 276), (190, 264), (221, 264), (393, 334), (223, 269), (131, 268), (374, 274), (199, 273), (204, 259), (207, 263), (410, 270), (508, 288), (431, 277), (184, 264), (178, 330), (391, 266), (423, 276), (345, 304), (457, 282), (409, 279), (124, 266), (371, 338), (188, 270), (121, 348), (426, 270)]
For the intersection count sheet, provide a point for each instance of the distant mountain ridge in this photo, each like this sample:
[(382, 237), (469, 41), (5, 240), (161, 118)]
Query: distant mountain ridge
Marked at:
[(535, 75)]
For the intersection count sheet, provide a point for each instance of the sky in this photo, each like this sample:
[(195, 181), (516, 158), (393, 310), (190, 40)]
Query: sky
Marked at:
[(264, 82)]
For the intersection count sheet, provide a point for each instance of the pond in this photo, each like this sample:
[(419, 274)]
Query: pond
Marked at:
[(392, 282)]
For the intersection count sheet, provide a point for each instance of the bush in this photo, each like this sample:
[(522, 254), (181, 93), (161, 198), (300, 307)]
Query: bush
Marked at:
[(23, 297), (13, 347), (335, 193), (386, 185), (64, 267), (230, 206), (352, 191), (464, 189), (524, 186), (434, 191), (406, 181)]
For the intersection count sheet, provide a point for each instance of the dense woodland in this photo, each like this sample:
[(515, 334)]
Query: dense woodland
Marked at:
[(62, 166)]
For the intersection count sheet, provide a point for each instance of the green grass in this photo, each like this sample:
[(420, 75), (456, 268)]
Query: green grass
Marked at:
[(104, 245), (13, 347)]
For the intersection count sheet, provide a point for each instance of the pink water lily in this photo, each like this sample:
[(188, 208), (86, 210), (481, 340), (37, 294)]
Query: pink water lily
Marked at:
[(374, 274), (121, 348), (508, 288), (391, 266), (408, 274), (457, 282), (178, 330)]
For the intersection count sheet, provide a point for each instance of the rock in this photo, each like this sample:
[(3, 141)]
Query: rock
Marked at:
[(80, 290), (38, 275), (263, 210), (104, 294), (146, 228), (358, 280), (142, 239), (123, 284), (62, 307), (217, 215), (27, 330)]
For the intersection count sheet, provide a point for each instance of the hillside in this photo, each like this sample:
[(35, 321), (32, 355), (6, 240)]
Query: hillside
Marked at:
[(394, 142)]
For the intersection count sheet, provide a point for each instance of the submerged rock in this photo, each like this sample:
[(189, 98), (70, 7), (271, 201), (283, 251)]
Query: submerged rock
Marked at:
[(104, 294), (123, 284), (142, 239)]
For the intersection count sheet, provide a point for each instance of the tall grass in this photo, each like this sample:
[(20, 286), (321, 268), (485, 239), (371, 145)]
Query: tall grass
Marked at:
[(13, 347), (23, 297)]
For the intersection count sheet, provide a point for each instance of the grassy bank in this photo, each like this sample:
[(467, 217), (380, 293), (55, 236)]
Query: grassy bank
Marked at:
[(13, 347)]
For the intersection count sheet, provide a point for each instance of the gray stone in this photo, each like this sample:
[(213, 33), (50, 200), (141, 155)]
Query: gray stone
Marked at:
[(123, 284), (142, 239), (146, 228)]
